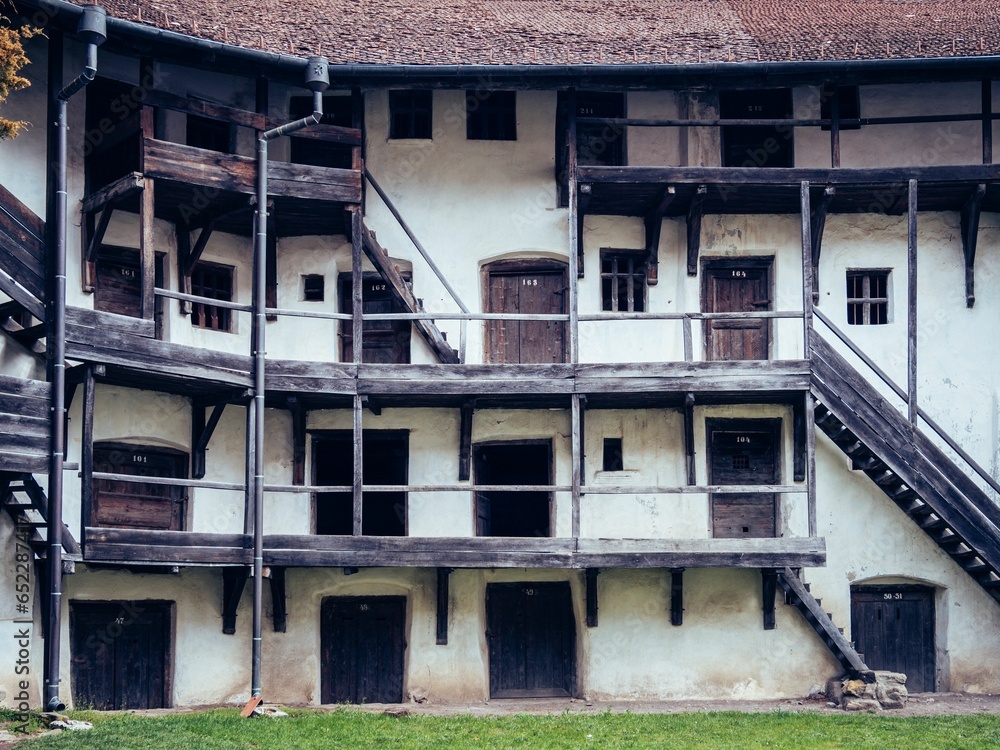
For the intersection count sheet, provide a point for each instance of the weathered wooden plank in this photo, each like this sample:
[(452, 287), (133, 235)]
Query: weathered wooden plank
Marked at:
[(313, 542), (173, 161), (317, 183), (27, 406), (121, 188), (103, 552), (20, 219), (154, 538), (125, 325), (20, 424), (911, 302), (21, 443), (18, 263), (26, 387), (25, 463)]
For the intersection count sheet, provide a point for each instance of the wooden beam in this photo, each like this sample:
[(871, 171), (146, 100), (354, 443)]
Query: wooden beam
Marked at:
[(87, 453), (147, 251), (183, 234), (592, 604), (299, 418), (987, 96), (114, 192), (70, 387), (810, 428), (443, 577), (271, 268), (201, 434), (233, 582), (912, 321), (694, 229), (279, 609), (834, 126), (358, 472), (583, 441), (677, 596), (817, 224), (94, 243), (575, 438), (654, 225), (586, 191), (689, 447), (799, 457), (969, 220), (769, 587), (465, 441)]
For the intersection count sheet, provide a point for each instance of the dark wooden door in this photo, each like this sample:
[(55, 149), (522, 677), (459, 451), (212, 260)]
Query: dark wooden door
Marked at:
[(384, 341), (743, 452), (532, 640), (737, 286), (893, 626), (363, 643), (138, 504), (514, 513), (120, 657), (517, 287)]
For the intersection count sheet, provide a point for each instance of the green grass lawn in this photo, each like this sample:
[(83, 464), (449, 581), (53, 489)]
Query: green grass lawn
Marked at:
[(223, 729)]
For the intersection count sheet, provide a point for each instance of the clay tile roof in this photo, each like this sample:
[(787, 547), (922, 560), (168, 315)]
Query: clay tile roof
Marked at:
[(584, 31)]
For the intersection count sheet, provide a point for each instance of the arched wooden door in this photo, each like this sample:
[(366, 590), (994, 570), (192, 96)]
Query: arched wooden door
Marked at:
[(525, 286)]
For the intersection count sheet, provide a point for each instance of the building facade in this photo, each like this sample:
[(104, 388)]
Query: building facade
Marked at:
[(539, 378)]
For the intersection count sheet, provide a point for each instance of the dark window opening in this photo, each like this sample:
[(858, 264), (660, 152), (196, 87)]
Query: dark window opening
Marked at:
[(384, 342), (385, 455), (491, 116), (867, 298), (514, 513), (337, 110), (112, 132), (410, 114), (597, 145), (766, 146), (214, 281), (613, 459), (623, 282), (313, 287), (849, 105), (214, 135)]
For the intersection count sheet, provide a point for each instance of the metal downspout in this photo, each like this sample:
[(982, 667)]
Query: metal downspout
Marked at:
[(317, 80), (91, 30)]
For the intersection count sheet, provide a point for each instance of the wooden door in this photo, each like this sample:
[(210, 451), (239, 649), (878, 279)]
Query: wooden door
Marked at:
[(737, 286), (384, 341), (743, 452), (362, 643), (514, 513), (138, 504), (893, 626), (120, 656), (532, 640), (526, 287)]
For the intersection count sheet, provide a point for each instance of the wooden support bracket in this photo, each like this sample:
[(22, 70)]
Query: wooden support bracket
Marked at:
[(799, 439), (371, 404), (694, 229), (299, 416), (654, 224), (677, 596), (769, 586), (201, 434), (465, 441), (443, 578), (279, 610), (592, 605), (689, 450), (233, 582), (582, 204), (970, 236), (817, 223)]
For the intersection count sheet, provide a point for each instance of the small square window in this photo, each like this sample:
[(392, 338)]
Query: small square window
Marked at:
[(623, 281), (868, 297), (215, 281), (409, 114), (313, 287), (491, 115), (848, 105), (613, 460), (214, 135)]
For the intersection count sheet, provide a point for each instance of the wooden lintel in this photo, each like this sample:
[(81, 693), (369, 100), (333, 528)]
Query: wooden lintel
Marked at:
[(970, 237), (201, 434), (233, 583), (799, 439), (299, 417), (114, 193), (279, 610), (583, 203), (689, 449), (694, 229), (592, 605), (769, 586), (817, 223), (465, 441), (443, 577), (677, 596), (98, 236)]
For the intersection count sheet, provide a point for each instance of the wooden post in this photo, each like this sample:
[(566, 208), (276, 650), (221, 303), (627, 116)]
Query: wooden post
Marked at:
[(592, 605), (575, 461), (443, 576), (465, 441), (810, 427), (87, 455), (251, 430), (573, 228), (582, 442), (799, 439), (807, 263), (987, 121), (688, 344), (769, 587), (911, 271), (298, 414), (835, 127), (358, 463), (147, 219), (357, 249), (689, 450)]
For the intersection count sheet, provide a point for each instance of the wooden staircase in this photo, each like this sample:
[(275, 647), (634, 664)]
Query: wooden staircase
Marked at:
[(797, 593), (25, 502), (379, 257), (910, 469), (22, 255), (20, 325)]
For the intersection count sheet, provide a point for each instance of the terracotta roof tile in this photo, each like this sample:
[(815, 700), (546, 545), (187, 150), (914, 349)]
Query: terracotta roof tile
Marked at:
[(583, 31)]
